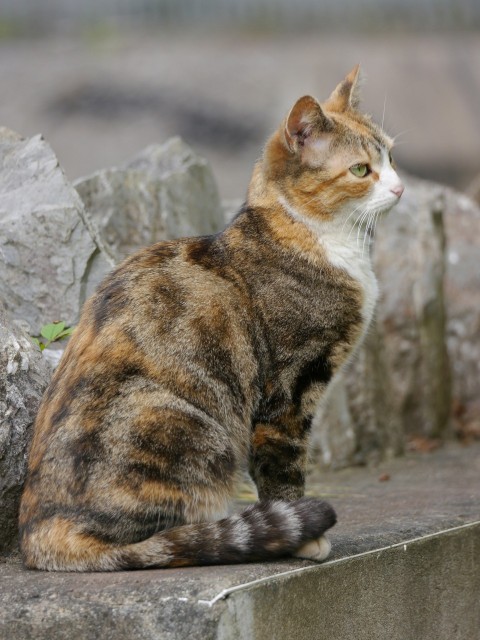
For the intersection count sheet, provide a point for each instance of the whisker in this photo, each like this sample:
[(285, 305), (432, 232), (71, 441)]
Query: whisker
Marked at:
[(377, 217), (355, 224), (360, 230), (401, 133), (373, 228), (315, 197), (367, 231), (364, 217), (350, 215), (384, 107)]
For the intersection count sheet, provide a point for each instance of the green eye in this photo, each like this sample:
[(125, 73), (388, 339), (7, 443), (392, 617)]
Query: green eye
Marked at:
[(360, 170)]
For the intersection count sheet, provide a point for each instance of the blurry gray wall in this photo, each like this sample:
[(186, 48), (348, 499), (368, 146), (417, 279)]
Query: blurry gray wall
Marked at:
[(103, 78), (347, 14)]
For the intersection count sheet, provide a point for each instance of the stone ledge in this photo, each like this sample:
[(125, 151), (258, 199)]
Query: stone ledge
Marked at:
[(404, 566), (426, 588)]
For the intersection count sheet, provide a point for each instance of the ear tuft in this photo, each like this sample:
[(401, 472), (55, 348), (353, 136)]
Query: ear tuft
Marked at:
[(346, 95), (305, 117)]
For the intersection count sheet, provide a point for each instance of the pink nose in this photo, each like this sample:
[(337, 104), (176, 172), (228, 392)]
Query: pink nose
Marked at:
[(398, 190)]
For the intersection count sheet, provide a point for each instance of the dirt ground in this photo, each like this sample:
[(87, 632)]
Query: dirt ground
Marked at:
[(99, 98)]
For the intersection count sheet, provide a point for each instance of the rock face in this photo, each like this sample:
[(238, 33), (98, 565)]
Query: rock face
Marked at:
[(410, 262), (462, 295), (51, 256), (424, 349), (24, 375), (165, 192), (473, 189)]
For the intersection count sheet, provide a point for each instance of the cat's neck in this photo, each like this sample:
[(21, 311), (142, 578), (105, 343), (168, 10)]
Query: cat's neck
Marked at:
[(312, 235), (333, 233)]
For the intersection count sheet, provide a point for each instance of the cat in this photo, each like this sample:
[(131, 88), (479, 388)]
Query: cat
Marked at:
[(199, 356)]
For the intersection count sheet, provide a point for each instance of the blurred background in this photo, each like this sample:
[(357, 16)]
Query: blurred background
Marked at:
[(102, 79)]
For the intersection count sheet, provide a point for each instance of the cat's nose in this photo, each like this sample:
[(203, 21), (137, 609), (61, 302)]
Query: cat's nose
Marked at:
[(398, 189)]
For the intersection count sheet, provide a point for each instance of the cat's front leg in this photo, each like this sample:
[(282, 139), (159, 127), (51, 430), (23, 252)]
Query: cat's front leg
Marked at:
[(278, 458), (278, 465)]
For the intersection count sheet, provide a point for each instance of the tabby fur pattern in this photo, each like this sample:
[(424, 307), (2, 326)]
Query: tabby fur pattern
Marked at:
[(200, 356)]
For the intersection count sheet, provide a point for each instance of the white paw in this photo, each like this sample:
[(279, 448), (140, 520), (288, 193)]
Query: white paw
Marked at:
[(314, 550)]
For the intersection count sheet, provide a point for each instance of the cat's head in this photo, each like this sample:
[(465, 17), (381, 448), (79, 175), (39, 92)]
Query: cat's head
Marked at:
[(329, 161)]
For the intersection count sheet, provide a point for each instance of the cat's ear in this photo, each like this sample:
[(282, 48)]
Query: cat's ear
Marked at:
[(305, 118), (346, 95)]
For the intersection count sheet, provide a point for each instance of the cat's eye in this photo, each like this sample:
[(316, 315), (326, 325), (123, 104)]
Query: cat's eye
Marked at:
[(360, 170), (390, 158)]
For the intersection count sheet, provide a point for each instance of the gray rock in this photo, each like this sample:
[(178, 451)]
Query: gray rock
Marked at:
[(54, 353), (473, 189), (334, 436), (24, 375), (410, 261), (358, 422), (51, 256), (165, 192), (462, 295), (371, 396)]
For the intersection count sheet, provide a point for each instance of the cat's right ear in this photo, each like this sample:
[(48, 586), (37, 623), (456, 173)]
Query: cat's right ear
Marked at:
[(305, 118)]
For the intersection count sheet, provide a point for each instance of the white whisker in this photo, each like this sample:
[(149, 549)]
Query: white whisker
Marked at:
[(361, 221), (364, 218), (376, 221), (384, 107), (349, 216), (315, 197), (367, 231), (401, 133), (355, 223)]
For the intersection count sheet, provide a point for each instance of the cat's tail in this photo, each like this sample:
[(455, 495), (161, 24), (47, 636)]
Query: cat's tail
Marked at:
[(263, 531)]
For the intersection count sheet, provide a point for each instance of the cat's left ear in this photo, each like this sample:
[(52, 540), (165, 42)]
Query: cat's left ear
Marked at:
[(346, 95), (305, 119)]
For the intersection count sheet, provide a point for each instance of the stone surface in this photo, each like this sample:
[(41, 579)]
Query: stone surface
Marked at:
[(410, 258), (333, 440), (165, 192), (24, 375), (51, 257), (425, 589), (404, 565), (462, 295), (473, 189)]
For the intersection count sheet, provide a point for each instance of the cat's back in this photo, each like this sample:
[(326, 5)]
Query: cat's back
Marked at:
[(165, 336)]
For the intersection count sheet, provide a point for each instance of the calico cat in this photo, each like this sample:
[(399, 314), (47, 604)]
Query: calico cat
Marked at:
[(198, 355)]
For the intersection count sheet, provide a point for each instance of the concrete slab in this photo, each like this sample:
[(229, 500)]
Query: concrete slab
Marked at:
[(405, 565)]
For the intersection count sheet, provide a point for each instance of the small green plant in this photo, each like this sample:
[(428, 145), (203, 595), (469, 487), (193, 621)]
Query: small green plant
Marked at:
[(51, 333)]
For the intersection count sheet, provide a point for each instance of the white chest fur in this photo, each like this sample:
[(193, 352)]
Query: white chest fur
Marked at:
[(347, 251)]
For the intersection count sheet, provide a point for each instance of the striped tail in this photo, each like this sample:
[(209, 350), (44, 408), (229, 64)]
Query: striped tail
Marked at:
[(263, 531)]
